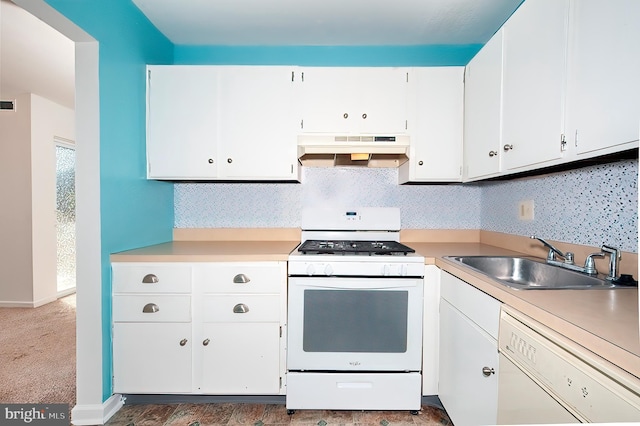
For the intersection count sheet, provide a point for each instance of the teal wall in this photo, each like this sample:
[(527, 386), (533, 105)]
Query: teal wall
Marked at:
[(134, 211), (394, 56)]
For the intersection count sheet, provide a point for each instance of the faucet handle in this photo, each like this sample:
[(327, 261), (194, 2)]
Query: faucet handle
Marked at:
[(590, 265)]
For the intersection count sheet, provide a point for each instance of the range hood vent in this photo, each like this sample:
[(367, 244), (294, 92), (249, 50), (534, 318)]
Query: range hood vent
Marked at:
[(349, 150)]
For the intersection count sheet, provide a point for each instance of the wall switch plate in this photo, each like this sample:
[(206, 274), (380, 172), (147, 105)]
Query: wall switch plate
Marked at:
[(525, 210)]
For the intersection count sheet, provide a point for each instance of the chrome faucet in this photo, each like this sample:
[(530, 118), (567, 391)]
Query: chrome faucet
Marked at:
[(589, 267), (614, 258), (568, 256)]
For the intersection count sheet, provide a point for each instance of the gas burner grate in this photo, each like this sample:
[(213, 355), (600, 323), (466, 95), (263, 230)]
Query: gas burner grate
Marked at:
[(354, 247)]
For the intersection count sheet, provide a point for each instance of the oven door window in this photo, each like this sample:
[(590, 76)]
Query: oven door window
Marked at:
[(371, 321)]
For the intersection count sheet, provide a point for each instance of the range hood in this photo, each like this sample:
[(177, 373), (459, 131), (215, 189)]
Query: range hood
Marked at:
[(348, 150)]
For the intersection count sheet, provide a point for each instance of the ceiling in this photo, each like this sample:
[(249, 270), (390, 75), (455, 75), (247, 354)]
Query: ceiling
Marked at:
[(34, 58), (327, 22)]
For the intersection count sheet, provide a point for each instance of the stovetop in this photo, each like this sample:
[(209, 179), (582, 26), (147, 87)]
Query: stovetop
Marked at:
[(347, 247)]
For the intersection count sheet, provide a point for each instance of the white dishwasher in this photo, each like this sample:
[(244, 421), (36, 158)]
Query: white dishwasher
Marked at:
[(546, 378)]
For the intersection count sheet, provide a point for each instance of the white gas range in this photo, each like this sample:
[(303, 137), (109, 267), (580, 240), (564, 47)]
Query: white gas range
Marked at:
[(354, 313)]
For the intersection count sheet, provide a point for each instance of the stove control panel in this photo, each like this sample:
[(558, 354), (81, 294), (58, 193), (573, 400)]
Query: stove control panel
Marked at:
[(352, 269)]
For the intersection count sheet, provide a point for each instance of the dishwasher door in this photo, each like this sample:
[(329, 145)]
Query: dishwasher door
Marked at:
[(546, 378), (523, 401)]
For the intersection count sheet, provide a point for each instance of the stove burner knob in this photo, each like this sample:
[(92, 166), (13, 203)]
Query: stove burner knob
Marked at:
[(311, 269), (328, 270), (404, 269), (386, 270)]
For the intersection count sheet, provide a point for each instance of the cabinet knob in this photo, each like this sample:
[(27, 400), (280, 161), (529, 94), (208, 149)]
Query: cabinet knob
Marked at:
[(420, 163), (229, 160), (205, 342), (150, 279), (150, 308), (487, 371), (493, 153), (240, 308), (210, 160), (241, 279), (507, 147), (364, 116), (183, 342), (345, 115)]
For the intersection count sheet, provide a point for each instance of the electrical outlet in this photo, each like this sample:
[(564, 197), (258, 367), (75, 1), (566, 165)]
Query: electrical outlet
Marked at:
[(525, 210)]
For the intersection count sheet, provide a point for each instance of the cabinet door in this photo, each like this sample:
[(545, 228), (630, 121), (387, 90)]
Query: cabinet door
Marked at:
[(603, 101), (182, 112), (467, 394), (240, 358), (482, 108), (152, 358), (535, 39), (354, 101), (258, 123), (436, 129)]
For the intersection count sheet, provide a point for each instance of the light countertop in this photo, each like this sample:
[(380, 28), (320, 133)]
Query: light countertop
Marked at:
[(603, 321), (210, 251)]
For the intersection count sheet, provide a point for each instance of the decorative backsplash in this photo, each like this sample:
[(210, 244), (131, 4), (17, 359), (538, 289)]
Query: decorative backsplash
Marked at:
[(591, 206)]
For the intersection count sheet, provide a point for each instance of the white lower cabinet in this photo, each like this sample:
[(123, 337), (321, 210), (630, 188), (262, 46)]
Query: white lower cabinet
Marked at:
[(209, 328), (241, 358), (468, 380), (152, 357)]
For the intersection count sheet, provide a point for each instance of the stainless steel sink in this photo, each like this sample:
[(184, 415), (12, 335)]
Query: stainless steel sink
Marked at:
[(529, 273)]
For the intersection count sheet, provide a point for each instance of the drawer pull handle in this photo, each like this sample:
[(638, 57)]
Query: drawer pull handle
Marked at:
[(487, 371), (241, 279), (150, 279), (150, 308), (183, 342), (205, 342), (240, 308)]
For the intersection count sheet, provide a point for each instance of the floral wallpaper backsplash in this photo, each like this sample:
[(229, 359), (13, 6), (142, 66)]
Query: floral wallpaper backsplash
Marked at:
[(591, 205)]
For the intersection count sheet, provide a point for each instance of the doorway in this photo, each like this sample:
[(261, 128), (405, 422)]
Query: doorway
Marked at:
[(66, 216)]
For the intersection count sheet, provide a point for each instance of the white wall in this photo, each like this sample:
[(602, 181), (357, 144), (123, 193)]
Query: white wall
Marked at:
[(28, 170), (15, 215)]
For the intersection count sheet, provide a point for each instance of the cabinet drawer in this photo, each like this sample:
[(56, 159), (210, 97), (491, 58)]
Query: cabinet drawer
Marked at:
[(479, 307), (151, 308), (151, 278), (241, 308), (240, 277)]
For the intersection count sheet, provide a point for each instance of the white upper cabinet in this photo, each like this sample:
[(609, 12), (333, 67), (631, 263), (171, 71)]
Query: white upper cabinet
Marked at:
[(221, 123), (435, 125), (482, 111), (257, 116), (603, 100), (535, 42), (347, 100), (182, 122)]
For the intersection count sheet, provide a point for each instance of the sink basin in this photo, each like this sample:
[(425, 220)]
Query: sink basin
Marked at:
[(529, 273)]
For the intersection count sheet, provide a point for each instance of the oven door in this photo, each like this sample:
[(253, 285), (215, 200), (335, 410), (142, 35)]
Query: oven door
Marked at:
[(354, 324)]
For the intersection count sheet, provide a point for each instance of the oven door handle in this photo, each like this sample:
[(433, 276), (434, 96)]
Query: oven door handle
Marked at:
[(356, 283)]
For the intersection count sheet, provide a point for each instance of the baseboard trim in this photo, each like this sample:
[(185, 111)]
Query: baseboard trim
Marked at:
[(15, 304), (27, 303), (96, 414)]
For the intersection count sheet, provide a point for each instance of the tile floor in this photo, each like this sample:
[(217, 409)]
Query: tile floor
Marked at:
[(186, 414)]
